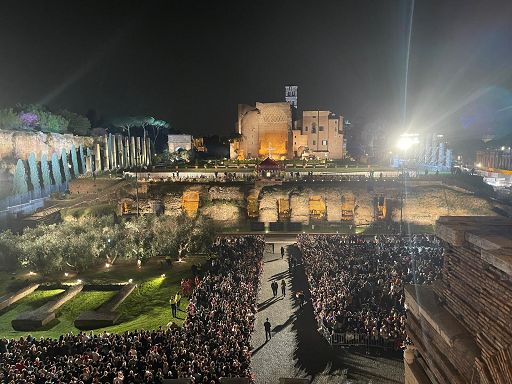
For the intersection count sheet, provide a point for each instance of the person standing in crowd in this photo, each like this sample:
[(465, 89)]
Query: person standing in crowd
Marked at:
[(300, 296), (177, 299), (268, 334), (283, 287), (173, 306), (282, 252)]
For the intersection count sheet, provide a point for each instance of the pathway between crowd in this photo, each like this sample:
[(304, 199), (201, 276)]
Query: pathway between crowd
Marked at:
[(297, 349), (274, 359)]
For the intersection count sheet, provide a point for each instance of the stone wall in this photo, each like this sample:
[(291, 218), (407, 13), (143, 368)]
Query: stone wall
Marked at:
[(16, 145)]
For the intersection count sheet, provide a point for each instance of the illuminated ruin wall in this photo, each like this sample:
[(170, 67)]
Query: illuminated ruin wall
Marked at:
[(265, 130), (16, 145), (345, 203)]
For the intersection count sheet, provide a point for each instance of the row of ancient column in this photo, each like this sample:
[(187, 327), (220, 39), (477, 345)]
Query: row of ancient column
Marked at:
[(119, 152)]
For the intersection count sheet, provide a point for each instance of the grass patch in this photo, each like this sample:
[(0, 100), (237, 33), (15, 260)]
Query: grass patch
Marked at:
[(146, 308), (91, 211), (28, 303)]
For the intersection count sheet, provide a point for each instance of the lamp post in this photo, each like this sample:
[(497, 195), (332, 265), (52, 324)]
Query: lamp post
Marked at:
[(405, 142)]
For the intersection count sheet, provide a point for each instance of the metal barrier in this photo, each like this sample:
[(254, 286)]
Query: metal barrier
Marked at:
[(11, 202), (351, 339)]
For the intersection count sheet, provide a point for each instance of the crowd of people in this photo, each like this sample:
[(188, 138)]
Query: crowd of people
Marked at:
[(214, 341), (357, 282)]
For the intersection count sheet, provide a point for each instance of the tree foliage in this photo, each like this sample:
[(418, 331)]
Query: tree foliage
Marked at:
[(78, 124), (49, 122), (20, 185), (35, 116), (34, 173), (9, 119), (39, 117), (9, 249), (125, 122), (28, 120), (82, 243)]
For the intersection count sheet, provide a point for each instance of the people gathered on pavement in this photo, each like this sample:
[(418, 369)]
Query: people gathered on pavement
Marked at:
[(357, 282), (214, 341)]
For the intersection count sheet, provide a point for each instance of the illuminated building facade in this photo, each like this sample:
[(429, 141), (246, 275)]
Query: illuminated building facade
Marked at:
[(319, 134), (265, 131)]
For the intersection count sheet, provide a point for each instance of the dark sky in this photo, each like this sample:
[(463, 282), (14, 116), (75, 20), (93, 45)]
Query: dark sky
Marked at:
[(192, 62)]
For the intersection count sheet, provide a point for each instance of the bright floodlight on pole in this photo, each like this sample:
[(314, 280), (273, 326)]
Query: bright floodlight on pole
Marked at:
[(407, 140)]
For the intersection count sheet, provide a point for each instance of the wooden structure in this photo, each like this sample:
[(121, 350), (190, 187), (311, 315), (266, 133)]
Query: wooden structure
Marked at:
[(190, 203), (461, 326), (283, 209), (253, 206), (317, 208), (269, 167), (348, 204)]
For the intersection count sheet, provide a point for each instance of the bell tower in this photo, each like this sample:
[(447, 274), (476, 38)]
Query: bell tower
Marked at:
[(291, 95)]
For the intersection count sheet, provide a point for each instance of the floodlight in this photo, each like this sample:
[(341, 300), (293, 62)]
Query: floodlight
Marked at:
[(406, 141)]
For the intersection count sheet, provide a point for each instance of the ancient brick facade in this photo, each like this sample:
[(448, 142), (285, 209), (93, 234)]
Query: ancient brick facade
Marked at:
[(265, 131)]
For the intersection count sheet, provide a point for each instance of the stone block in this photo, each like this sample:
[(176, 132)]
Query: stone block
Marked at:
[(38, 318), (105, 315), (18, 295)]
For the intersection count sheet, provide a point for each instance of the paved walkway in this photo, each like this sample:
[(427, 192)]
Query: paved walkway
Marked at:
[(296, 348), (274, 359)]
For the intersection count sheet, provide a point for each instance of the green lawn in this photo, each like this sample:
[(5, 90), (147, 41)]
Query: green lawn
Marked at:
[(31, 302), (146, 308)]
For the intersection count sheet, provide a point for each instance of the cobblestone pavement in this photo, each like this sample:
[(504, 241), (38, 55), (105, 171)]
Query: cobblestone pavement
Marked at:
[(297, 349)]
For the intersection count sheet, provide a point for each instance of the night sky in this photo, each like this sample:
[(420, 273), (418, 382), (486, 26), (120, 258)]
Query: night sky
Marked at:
[(192, 63)]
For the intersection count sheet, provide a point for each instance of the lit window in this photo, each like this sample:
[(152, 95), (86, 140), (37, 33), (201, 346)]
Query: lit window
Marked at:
[(324, 142)]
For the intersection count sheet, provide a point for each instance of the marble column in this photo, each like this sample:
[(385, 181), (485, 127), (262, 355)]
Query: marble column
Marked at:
[(97, 158), (114, 151), (107, 153)]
